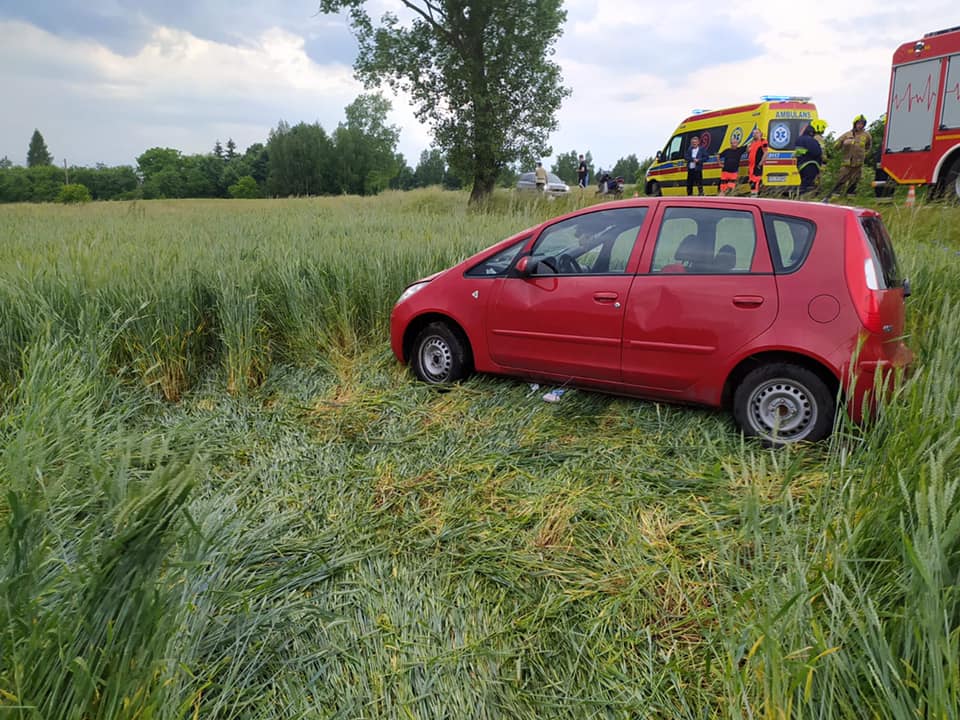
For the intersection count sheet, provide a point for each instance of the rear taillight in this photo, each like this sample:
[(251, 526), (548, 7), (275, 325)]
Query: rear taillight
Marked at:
[(863, 276)]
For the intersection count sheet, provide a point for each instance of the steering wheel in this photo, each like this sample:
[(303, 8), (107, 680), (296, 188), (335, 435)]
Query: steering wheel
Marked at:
[(568, 265)]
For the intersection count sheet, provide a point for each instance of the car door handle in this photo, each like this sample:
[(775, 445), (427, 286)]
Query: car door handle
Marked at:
[(605, 297), (748, 301)]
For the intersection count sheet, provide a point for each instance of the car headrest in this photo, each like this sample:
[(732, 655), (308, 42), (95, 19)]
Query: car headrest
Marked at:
[(726, 259), (694, 251)]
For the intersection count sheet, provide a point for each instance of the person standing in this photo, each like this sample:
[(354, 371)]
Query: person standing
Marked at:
[(757, 151), (854, 146), (582, 173), (730, 170), (809, 156), (540, 177), (695, 156)]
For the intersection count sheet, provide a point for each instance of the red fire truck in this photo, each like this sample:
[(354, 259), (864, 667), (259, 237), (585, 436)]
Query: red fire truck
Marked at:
[(921, 144)]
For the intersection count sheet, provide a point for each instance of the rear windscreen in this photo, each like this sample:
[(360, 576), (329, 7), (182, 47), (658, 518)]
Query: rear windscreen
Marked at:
[(882, 248)]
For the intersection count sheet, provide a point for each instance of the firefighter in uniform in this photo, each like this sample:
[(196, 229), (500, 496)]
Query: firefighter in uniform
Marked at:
[(819, 126), (809, 156), (854, 146)]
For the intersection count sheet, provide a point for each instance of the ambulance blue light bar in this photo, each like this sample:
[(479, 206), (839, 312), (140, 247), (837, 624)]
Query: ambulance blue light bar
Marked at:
[(784, 98)]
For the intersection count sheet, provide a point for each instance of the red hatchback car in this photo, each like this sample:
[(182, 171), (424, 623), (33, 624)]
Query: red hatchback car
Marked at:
[(771, 308)]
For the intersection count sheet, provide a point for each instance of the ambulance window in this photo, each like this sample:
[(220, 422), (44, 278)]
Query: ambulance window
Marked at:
[(711, 138), (673, 149)]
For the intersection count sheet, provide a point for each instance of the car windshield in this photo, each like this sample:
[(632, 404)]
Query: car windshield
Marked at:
[(551, 178)]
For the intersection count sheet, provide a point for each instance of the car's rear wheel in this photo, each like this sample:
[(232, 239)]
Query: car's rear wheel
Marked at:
[(440, 356), (784, 403)]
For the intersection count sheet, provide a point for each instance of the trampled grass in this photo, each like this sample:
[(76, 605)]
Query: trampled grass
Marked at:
[(223, 498)]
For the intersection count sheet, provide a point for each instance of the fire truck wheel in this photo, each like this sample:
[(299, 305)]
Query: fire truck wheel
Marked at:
[(952, 183)]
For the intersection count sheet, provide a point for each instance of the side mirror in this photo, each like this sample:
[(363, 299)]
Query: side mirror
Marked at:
[(659, 155), (525, 266)]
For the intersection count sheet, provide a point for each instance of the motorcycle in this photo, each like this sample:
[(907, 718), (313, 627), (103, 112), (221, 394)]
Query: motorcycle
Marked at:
[(609, 185)]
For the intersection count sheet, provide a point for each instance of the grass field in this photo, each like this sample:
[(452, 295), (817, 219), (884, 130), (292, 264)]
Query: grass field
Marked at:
[(223, 498)]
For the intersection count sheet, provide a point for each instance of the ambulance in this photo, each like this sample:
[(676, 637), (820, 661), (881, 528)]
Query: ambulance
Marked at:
[(781, 119)]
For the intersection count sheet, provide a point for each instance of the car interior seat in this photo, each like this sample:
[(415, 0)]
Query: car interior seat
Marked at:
[(694, 254), (726, 259)]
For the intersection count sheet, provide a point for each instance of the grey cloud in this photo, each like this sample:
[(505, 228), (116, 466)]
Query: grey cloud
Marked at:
[(124, 26)]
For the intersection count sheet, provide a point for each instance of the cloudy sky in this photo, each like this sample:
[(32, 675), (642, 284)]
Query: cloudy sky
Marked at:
[(104, 80)]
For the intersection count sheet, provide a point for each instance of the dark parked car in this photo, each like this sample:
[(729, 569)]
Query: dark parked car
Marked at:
[(770, 308)]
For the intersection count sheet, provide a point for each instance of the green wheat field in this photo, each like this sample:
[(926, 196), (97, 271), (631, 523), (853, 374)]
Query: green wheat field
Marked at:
[(222, 497)]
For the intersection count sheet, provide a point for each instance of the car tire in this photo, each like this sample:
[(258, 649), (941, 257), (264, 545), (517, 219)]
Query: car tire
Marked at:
[(440, 355), (783, 403), (655, 190)]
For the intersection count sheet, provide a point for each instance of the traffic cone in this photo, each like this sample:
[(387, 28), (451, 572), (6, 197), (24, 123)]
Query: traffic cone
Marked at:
[(911, 197)]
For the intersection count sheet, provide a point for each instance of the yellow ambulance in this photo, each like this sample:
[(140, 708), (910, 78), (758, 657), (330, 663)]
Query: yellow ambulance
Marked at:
[(780, 119)]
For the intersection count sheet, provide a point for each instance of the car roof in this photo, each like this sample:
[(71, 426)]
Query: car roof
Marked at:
[(800, 208)]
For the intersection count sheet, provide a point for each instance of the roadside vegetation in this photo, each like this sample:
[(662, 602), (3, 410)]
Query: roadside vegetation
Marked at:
[(223, 498)]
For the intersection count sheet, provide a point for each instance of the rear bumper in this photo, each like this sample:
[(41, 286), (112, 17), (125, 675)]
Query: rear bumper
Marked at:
[(873, 379)]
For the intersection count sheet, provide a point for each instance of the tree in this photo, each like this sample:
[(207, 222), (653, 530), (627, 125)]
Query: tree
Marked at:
[(258, 160), (301, 159), (37, 154), (74, 193), (5, 163), (431, 169), (218, 149), (162, 173), (231, 149), (244, 189), (478, 72), (366, 147), (627, 168)]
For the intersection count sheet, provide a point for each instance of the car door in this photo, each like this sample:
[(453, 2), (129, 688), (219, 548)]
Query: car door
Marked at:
[(566, 316), (706, 288)]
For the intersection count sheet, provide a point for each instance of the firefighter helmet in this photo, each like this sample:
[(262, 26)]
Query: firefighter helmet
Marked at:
[(818, 125), (860, 118)]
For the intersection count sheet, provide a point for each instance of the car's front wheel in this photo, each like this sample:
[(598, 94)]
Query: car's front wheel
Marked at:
[(654, 189), (440, 356), (783, 403)]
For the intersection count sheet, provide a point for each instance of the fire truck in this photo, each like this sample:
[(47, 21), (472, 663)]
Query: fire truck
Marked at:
[(921, 144)]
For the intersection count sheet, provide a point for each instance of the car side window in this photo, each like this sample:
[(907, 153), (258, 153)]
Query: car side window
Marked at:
[(705, 241), (598, 243), (498, 264), (790, 240)]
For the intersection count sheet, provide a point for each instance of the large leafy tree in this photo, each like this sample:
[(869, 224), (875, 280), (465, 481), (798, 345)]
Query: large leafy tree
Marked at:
[(478, 71), (37, 153), (366, 147), (301, 160)]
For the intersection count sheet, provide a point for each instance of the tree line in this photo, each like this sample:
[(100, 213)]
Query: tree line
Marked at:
[(358, 157)]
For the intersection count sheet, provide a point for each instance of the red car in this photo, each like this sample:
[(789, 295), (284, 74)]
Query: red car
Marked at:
[(771, 308)]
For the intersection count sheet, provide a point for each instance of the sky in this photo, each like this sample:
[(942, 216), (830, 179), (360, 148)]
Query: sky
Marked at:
[(105, 80)]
